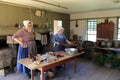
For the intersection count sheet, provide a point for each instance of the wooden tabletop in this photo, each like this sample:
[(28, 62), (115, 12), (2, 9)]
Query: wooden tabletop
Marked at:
[(29, 63)]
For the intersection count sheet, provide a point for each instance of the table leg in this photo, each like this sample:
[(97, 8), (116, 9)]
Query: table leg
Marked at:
[(42, 74), (64, 66), (75, 65), (32, 75)]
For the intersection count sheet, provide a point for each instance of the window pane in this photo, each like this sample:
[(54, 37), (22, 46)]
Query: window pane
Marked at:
[(119, 20), (94, 32), (118, 35), (92, 38), (118, 25), (89, 32), (118, 30)]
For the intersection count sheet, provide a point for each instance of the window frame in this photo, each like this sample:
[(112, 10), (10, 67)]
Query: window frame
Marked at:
[(91, 28), (118, 27)]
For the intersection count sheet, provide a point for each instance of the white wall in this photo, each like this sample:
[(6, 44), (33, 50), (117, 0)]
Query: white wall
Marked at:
[(81, 29), (10, 15)]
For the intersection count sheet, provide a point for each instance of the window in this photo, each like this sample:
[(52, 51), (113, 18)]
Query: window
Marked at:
[(91, 29), (118, 29)]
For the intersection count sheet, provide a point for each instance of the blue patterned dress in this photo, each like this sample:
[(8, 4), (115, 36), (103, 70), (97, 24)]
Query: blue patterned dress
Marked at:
[(61, 38)]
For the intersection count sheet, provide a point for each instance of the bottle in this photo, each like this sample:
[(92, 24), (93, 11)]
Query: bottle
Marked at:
[(30, 56), (16, 25)]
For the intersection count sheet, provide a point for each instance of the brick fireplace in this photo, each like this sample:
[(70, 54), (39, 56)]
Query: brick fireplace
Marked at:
[(7, 54)]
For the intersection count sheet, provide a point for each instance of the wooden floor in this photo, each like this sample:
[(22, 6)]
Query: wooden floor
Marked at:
[(86, 70)]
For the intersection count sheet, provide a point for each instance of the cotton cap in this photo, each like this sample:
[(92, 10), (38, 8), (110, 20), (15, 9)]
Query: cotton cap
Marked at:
[(26, 22), (60, 28)]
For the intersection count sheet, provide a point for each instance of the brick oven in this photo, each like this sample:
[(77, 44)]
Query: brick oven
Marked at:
[(7, 55)]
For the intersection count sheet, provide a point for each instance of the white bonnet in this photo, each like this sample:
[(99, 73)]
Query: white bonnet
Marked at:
[(59, 28), (26, 22)]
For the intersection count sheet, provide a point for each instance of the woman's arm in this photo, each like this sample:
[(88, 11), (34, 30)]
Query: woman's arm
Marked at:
[(16, 36), (19, 41), (67, 40)]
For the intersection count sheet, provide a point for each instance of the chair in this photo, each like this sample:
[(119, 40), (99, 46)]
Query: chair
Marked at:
[(87, 48)]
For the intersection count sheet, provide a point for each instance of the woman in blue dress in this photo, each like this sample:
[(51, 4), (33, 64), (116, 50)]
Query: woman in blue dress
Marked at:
[(58, 39), (27, 45)]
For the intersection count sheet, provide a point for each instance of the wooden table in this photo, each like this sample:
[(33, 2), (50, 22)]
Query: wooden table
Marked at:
[(45, 66), (105, 50)]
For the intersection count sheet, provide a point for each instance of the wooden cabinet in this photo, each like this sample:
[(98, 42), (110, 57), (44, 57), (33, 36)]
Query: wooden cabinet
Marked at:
[(105, 30)]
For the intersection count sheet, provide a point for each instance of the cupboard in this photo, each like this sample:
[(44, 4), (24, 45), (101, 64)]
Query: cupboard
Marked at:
[(105, 30)]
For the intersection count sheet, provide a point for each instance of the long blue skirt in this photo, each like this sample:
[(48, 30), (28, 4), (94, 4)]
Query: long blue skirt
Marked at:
[(22, 53)]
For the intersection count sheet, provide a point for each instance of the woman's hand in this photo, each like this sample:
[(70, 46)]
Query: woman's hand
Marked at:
[(69, 42), (21, 43)]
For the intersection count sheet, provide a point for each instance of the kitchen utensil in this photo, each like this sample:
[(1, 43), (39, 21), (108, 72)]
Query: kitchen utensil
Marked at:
[(71, 51)]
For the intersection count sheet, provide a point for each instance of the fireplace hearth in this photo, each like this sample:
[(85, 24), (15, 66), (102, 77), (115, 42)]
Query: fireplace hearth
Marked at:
[(7, 54)]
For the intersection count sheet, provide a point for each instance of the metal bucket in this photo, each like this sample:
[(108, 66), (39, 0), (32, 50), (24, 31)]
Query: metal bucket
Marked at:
[(71, 51)]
